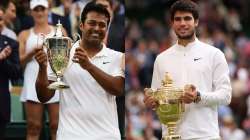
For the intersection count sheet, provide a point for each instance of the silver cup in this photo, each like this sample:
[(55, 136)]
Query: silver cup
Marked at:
[(58, 50)]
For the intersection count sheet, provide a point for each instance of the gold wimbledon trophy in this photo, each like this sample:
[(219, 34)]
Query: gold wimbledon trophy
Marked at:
[(58, 50), (170, 107)]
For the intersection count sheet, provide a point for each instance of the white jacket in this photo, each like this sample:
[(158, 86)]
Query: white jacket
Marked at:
[(205, 67)]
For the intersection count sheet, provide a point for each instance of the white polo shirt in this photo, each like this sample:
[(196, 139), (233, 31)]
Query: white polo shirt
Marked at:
[(87, 111), (205, 67)]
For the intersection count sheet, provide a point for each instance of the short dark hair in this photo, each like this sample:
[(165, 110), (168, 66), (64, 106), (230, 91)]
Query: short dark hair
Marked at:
[(185, 6), (109, 1), (1, 8), (92, 6), (5, 4)]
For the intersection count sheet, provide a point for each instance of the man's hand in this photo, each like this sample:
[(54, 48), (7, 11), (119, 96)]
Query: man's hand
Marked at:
[(5, 53), (149, 101), (82, 58), (190, 94), (41, 57)]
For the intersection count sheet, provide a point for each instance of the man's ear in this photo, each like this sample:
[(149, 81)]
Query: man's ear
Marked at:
[(196, 22), (81, 26)]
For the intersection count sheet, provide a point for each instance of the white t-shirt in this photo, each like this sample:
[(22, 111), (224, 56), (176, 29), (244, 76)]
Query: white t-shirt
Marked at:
[(205, 67), (87, 111)]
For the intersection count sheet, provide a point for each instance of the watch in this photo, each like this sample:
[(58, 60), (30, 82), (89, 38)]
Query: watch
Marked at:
[(198, 97)]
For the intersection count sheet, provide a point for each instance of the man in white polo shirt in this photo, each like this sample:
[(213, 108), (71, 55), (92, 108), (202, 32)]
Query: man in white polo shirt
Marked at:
[(87, 108), (190, 61)]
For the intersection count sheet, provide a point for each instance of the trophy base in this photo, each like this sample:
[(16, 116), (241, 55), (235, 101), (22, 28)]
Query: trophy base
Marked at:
[(173, 137), (58, 85)]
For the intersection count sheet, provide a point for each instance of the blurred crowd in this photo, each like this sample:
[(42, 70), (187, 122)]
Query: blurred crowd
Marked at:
[(222, 24)]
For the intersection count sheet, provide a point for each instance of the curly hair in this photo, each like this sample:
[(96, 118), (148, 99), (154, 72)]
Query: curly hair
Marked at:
[(92, 6), (185, 6)]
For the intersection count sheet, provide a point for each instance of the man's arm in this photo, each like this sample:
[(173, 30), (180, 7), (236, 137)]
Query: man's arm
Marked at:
[(42, 82), (221, 83), (112, 84)]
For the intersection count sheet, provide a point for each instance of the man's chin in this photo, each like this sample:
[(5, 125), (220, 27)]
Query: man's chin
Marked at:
[(94, 42), (185, 36), (94, 39)]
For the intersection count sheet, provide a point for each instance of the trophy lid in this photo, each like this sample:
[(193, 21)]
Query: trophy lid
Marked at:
[(167, 81), (58, 32)]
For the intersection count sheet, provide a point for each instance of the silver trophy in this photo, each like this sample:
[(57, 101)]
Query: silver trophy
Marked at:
[(58, 50)]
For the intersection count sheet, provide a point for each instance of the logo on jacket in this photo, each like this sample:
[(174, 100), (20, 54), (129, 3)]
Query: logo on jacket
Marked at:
[(196, 59), (105, 62)]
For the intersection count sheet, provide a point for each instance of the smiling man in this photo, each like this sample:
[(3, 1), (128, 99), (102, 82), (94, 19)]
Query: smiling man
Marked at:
[(199, 65), (87, 108)]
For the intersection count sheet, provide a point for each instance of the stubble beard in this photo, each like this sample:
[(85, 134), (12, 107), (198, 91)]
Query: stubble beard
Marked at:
[(93, 44), (186, 37)]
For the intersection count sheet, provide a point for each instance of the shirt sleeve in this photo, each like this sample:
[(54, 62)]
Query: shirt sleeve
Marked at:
[(120, 70), (222, 91), (156, 80)]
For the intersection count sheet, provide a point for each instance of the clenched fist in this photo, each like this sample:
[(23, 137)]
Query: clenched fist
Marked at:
[(82, 58), (41, 57), (149, 101), (190, 94)]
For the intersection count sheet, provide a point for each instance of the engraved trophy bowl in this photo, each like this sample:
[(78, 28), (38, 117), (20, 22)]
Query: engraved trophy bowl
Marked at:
[(170, 107), (58, 50)]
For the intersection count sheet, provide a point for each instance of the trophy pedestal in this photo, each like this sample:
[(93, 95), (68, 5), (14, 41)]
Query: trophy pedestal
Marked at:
[(174, 137), (171, 132), (58, 85)]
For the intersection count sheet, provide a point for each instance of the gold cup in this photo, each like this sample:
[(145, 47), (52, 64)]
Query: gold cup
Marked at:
[(170, 107)]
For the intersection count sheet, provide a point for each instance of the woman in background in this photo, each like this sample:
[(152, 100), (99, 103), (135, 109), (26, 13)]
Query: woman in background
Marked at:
[(30, 40)]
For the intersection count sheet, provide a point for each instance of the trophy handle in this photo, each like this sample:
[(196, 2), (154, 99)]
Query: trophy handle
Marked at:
[(149, 92), (44, 40), (76, 37), (153, 93)]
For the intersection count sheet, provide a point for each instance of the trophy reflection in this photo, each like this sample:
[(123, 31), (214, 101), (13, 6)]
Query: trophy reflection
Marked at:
[(170, 107), (58, 50)]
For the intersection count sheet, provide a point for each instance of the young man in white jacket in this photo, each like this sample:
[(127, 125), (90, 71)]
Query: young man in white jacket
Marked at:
[(192, 62)]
